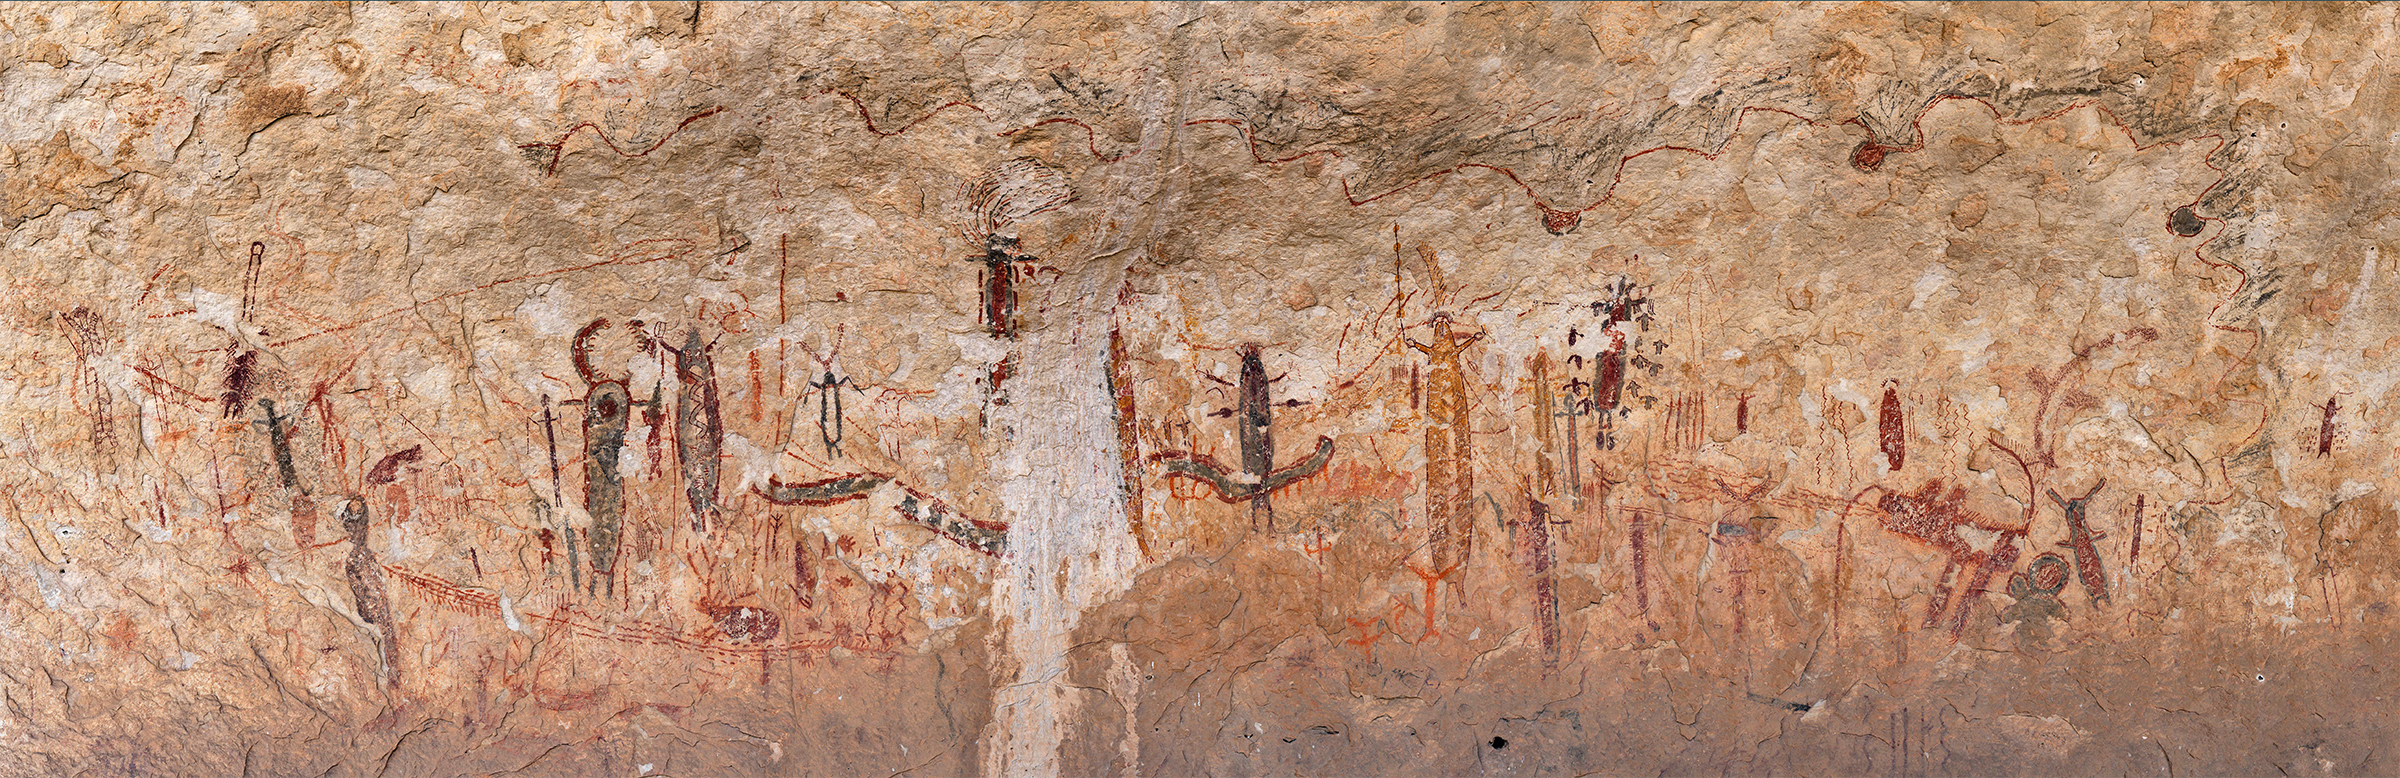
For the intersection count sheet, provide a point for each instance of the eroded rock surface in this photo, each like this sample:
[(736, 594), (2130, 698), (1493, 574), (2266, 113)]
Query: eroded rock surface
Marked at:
[(699, 389)]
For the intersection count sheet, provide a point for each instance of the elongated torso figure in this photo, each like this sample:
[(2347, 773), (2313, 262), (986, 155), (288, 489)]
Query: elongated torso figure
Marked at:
[(366, 585), (698, 430), (606, 411), (1449, 455)]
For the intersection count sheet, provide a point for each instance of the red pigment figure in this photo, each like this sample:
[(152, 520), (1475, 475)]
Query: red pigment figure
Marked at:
[(1894, 428), (1129, 441), (241, 383), (2080, 537), (1639, 526), (1534, 538), (1432, 580), (1010, 192), (1740, 544), (547, 509), (258, 258), (1545, 465), (1932, 516), (1869, 156), (1559, 222), (1608, 380), (84, 336), (2325, 429), (2133, 559), (1573, 407), (1000, 258)]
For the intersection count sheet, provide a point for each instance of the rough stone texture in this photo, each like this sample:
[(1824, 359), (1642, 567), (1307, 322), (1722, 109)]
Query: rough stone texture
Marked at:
[(673, 389)]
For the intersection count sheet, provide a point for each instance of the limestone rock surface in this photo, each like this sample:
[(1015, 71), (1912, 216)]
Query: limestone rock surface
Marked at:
[(1178, 389)]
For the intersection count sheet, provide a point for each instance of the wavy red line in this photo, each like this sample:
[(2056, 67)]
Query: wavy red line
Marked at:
[(1554, 217), (558, 148), (870, 119), (1091, 138)]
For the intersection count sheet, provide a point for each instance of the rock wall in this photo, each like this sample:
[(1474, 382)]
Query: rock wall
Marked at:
[(674, 389)]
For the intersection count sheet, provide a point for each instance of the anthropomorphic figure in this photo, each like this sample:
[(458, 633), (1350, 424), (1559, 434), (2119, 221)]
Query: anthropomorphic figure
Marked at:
[(1449, 452), (607, 411), (366, 585)]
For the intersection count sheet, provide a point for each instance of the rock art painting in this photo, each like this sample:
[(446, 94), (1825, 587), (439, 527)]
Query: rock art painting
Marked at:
[(1170, 389)]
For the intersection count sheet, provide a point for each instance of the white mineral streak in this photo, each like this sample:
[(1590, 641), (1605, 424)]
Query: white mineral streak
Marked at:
[(1069, 546), (2127, 250)]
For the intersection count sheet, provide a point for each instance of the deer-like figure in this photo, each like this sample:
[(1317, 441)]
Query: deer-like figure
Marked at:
[(1933, 516)]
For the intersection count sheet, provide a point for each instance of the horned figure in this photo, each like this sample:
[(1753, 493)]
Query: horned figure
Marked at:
[(1258, 477), (2080, 537), (829, 410), (829, 429), (1449, 452), (607, 411), (699, 431)]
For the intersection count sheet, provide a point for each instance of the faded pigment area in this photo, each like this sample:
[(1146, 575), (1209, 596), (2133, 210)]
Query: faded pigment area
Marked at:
[(1162, 390)]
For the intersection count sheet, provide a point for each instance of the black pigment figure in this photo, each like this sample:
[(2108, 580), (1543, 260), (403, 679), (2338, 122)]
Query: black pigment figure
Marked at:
[(829, 410)]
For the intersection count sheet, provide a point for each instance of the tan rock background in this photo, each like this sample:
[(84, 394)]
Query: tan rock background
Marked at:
[(675, 389)]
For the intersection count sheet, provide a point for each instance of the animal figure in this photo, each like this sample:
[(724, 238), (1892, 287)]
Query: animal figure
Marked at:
[(1933, 516), (1892, 429), (2080, 538)]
